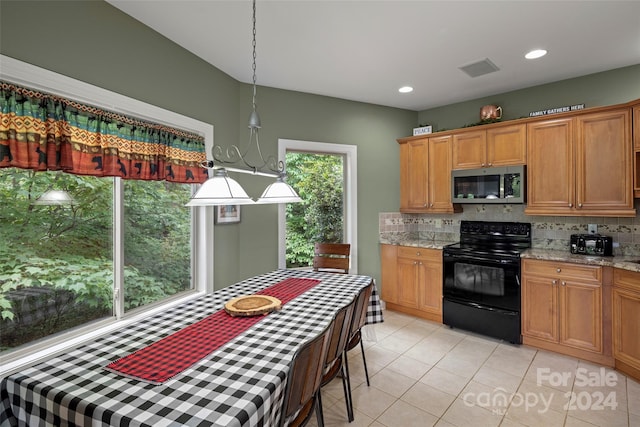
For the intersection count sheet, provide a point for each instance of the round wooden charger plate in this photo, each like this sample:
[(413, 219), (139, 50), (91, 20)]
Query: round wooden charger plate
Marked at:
[(252, 305)]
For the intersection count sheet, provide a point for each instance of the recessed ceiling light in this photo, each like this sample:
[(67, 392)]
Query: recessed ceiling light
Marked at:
[(405, 89), (537, 53)]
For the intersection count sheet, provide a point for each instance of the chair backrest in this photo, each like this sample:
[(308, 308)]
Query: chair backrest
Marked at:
[(303, 380), (332, 257), (340, 334), (360, 311)]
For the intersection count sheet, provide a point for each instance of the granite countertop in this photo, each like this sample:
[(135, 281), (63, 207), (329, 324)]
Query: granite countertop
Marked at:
[(415, 242), (623, 262)]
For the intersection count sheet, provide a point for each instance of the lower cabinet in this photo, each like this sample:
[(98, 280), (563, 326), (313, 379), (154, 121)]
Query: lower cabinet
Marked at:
[(412, 280), (565, 309), (626, 322)]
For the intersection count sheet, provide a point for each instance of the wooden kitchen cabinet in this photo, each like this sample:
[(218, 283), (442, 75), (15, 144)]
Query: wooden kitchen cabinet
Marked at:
[(389, 273), (636, 150), (410, 272), (603, 162), (425, 175), (636, 127), (563, 309), (550, 167), (412, 280), (414, 163), (626, 322), (498, 146), (469, 150), (581, 165)]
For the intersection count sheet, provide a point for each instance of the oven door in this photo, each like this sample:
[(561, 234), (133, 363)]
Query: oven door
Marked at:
[(482, 295), (482, 280)]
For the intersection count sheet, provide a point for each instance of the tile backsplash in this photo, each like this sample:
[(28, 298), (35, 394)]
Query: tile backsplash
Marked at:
[(548, 232)]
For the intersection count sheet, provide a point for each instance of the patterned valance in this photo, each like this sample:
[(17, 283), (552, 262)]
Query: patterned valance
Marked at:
[(46, 132)]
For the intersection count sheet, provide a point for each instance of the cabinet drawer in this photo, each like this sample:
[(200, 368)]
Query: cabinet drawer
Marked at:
[(419, 253), (626, 279), (563, 270)]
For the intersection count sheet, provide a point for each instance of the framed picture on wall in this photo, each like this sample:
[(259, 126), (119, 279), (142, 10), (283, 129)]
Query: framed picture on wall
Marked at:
[(227, 214)]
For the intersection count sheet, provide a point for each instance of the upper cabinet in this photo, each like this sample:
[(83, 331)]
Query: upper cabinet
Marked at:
[(636, 150), (414, 161), (604, 167), (550, 166), (581, 165), (425, 175), (497, 146), (636, 127)]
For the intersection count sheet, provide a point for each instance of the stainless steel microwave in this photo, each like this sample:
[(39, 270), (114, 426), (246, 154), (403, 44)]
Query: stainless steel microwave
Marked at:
[(489, 185)]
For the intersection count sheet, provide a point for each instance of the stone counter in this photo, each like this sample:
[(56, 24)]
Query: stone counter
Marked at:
[(623, 262), (415, 242)]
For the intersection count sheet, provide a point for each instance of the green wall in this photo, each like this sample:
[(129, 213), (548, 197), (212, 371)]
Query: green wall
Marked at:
[(373, 129), (96, 43), (607, 88)]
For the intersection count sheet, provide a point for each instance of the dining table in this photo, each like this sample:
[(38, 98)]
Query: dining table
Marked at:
[(238, 376)]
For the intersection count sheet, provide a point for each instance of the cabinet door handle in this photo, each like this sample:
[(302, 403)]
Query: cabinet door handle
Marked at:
[(431, 205), (570, 205), (554, 282), (418, 253), (424, 206), (420, 263), (564, 283), (483, 165), (415, 262), (579, 205), (490, 164), (558, 270)]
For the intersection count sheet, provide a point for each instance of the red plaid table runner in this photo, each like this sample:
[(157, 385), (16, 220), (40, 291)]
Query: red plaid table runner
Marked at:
[(171, 355)]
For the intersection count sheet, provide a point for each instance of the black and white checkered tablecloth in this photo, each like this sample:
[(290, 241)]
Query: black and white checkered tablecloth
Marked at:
[(240, 384)]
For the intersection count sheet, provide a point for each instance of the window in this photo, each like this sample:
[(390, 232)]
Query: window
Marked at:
[(58, 272), (106, 241), (157, 241), (319, 180), (347, 156)]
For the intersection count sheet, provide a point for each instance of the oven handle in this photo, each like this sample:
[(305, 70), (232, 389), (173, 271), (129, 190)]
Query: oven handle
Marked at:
[(472, 258)]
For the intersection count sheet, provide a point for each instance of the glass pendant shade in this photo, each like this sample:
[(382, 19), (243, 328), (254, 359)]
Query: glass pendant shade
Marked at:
[(220, 190), (279, 192), (54, 198)]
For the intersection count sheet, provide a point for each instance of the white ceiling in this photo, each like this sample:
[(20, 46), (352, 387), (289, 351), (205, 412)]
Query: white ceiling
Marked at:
[(364, 50)]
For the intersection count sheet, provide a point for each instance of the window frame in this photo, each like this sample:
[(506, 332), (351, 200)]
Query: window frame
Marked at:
[(350, 176), (202, 229)]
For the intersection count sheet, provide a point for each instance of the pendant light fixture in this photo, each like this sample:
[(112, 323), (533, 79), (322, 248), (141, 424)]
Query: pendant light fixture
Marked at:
[(223, 190)]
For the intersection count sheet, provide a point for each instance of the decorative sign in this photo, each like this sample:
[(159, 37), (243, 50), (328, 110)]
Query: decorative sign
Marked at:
[(557, 110), (422, 130)]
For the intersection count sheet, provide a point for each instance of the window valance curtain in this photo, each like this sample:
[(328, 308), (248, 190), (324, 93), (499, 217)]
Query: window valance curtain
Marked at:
[(46, 132)]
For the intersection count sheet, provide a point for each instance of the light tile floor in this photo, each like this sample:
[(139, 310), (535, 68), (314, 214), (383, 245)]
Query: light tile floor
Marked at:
[(425, 374)]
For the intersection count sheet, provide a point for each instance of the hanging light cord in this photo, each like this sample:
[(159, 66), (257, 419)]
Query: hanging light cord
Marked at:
[(232, 154), (254, 56)]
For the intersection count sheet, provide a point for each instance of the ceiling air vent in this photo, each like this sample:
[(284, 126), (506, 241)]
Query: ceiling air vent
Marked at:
[(480, 68)]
